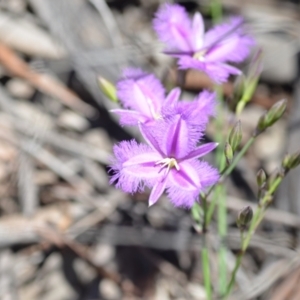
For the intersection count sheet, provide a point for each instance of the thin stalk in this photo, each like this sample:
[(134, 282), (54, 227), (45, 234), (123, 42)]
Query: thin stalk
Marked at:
[(205, 254), (244, 247), (257, 218), (232, 279), (220, 196), (206, 270), (216, 11), (238, 157), (204, 205), (227, 171), (197, 214), (222, 231)]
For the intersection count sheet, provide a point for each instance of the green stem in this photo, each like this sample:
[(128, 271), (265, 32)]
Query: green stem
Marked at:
[(244, 247), (196, 214), (206, 270), (232, 280), (216, 11), (204, 205), (238, 157), (212, 205), (227, 171), (257, 218), (222, 231), (220, 195), (205, 254)]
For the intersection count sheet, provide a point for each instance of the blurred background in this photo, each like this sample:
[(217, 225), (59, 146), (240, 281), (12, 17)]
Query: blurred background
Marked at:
[(65, 233)]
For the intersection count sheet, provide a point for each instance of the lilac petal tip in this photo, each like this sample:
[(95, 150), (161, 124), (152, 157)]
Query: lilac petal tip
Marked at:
[(201, 151), (157, 191), (173, 27)]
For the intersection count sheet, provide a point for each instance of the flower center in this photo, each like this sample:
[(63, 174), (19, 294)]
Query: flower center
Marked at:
[(156, 116), (200, 55), (169, 163)]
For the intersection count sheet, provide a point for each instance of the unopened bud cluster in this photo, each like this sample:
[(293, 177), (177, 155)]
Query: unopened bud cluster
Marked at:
[(261, 178), (239, 87), (235, 136), (234, 140), (271, 116), (267, 186), (291, 161), (108, 89), (228, 153), (245, 86), (274, 179), (245, 217)]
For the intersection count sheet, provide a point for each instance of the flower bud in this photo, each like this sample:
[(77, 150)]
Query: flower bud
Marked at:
[(276, 111), (271, 116), (239, 86), (286, 161), (255, 66), (261, 177), (108, 89), (235, 136), (272, 182), (291, 161), (238, 91), (250, 82), (245, 216), (228, 153)]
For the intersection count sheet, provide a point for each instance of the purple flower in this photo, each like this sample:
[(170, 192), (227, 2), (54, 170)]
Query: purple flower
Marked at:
[(169, 162), (208, 52), (144, 98)]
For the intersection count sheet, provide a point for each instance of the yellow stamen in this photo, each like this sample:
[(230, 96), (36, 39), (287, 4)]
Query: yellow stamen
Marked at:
[(157, 116), (200, 55), (169, 163)]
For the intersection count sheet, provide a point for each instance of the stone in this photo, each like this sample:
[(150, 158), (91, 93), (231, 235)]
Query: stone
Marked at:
[(269, 146), (101, 254), (279, 58), (109, 290), (71, 120), (19, 88)]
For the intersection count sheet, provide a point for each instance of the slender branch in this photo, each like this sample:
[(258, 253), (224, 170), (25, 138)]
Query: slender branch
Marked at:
[(205, 253), (216, 11), (222, 231), (204, 204), (257, 218), (226, 172), (238, 157), (206, 269), (196, 215)]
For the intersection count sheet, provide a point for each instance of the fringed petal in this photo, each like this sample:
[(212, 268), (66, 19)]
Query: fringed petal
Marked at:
[(201, 151), (177, 137), (142, 92), (200, 172), (130, 117), (173, 27), (222, 31), (134, 166), (198, 31), (172, 98), (157, 191), (235, 49)]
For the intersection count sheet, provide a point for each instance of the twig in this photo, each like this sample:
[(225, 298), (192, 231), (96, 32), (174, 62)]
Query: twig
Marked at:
[(82, 251), (27, 187), (43, 82), (272, 214), (58, 140), (268, 277), (257, 218)]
